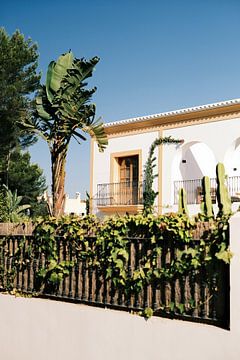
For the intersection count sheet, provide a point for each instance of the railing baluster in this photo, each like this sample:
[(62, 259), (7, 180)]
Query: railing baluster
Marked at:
[(122, 193)]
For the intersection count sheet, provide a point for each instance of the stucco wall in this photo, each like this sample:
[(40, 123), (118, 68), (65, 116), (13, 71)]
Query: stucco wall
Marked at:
[(219, 137), (40, 329), (101, 171), (209, 143)]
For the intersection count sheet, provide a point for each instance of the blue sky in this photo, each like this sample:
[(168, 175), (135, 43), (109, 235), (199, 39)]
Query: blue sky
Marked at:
[(156, 56)]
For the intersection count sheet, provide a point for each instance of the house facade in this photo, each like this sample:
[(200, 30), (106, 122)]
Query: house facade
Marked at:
[(211, 134), (74, 205)]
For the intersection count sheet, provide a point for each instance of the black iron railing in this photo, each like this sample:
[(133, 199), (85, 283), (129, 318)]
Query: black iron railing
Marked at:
[(122, 193), (193, 189), (200, 295)]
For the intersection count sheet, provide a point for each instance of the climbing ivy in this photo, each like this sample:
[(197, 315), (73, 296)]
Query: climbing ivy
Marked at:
[(149, 195), (105, 246)]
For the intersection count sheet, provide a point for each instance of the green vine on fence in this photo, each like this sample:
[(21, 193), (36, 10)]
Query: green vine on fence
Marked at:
[(104, 246)]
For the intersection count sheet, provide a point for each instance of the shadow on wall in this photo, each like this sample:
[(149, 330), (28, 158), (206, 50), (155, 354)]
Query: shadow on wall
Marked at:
[(193, 161), (232, 159)]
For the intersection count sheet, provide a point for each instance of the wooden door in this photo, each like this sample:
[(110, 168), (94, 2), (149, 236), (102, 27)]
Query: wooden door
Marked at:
[(128, 172)]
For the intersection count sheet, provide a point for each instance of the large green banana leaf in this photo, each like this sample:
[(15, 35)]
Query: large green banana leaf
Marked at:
[(56, 73)]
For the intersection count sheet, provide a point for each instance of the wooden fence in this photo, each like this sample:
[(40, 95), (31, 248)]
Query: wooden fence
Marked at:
[(199, 295)]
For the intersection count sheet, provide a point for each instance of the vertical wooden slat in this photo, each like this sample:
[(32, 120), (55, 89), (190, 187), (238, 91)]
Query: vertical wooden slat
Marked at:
[(136, 244), (83, 280), (70, 292), (64, 254), (214, 294), (202, 293), (90, 275), (89, 284), (23, 267), (76, 271), (29, 266), (129, 273), (98, 281)]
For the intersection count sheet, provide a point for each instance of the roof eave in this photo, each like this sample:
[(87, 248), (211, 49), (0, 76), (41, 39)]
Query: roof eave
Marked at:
[(163, 119)]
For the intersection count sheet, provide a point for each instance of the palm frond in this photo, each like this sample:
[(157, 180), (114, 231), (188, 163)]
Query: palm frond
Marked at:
[(96, 130), (56, 74)]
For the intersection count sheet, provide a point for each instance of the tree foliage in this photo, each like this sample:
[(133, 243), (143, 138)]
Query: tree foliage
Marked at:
[(63, 109), (18, 80), (15, 212), (26, 178)]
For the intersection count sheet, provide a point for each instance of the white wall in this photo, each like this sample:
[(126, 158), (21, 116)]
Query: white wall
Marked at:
[(43, 329), (75, 206), (232, 158), (219, 137), (101, 173), (204, 146)]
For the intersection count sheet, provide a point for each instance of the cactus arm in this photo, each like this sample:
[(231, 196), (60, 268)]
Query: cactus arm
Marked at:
[(206, 205), (182, 202), (223, 199)]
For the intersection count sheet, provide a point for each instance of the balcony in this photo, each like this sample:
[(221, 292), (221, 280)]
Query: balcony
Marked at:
[(122, 194), (193, 189)]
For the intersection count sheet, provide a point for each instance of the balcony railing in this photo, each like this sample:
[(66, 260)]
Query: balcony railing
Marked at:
[(123, 193), (193, 189)]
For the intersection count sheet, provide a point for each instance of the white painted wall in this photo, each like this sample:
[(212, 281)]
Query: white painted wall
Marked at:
[(232, 158), (74, 205), (204, 146), (41, 329), (207, 144), (101, 173)]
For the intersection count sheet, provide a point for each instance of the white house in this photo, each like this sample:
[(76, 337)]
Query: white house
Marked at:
[(211, 134), (74, 205)]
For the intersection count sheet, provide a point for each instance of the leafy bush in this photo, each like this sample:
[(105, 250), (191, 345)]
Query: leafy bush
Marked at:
[(105, 247), (110, 250)]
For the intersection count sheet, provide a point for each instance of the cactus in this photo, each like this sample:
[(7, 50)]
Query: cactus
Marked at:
[(223, 199), (206, 205), (182, 202)]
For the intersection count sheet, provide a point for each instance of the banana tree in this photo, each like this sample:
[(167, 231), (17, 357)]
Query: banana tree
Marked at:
[(63, 113), (14, 211)]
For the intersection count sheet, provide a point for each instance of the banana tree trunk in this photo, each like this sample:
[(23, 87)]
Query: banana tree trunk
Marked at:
[(58, 181)]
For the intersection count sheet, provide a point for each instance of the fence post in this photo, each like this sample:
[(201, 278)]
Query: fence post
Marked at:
[(235, 274)]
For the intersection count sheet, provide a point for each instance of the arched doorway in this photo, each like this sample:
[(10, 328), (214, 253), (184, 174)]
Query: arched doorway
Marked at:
[(232, 166), (192, 161)]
